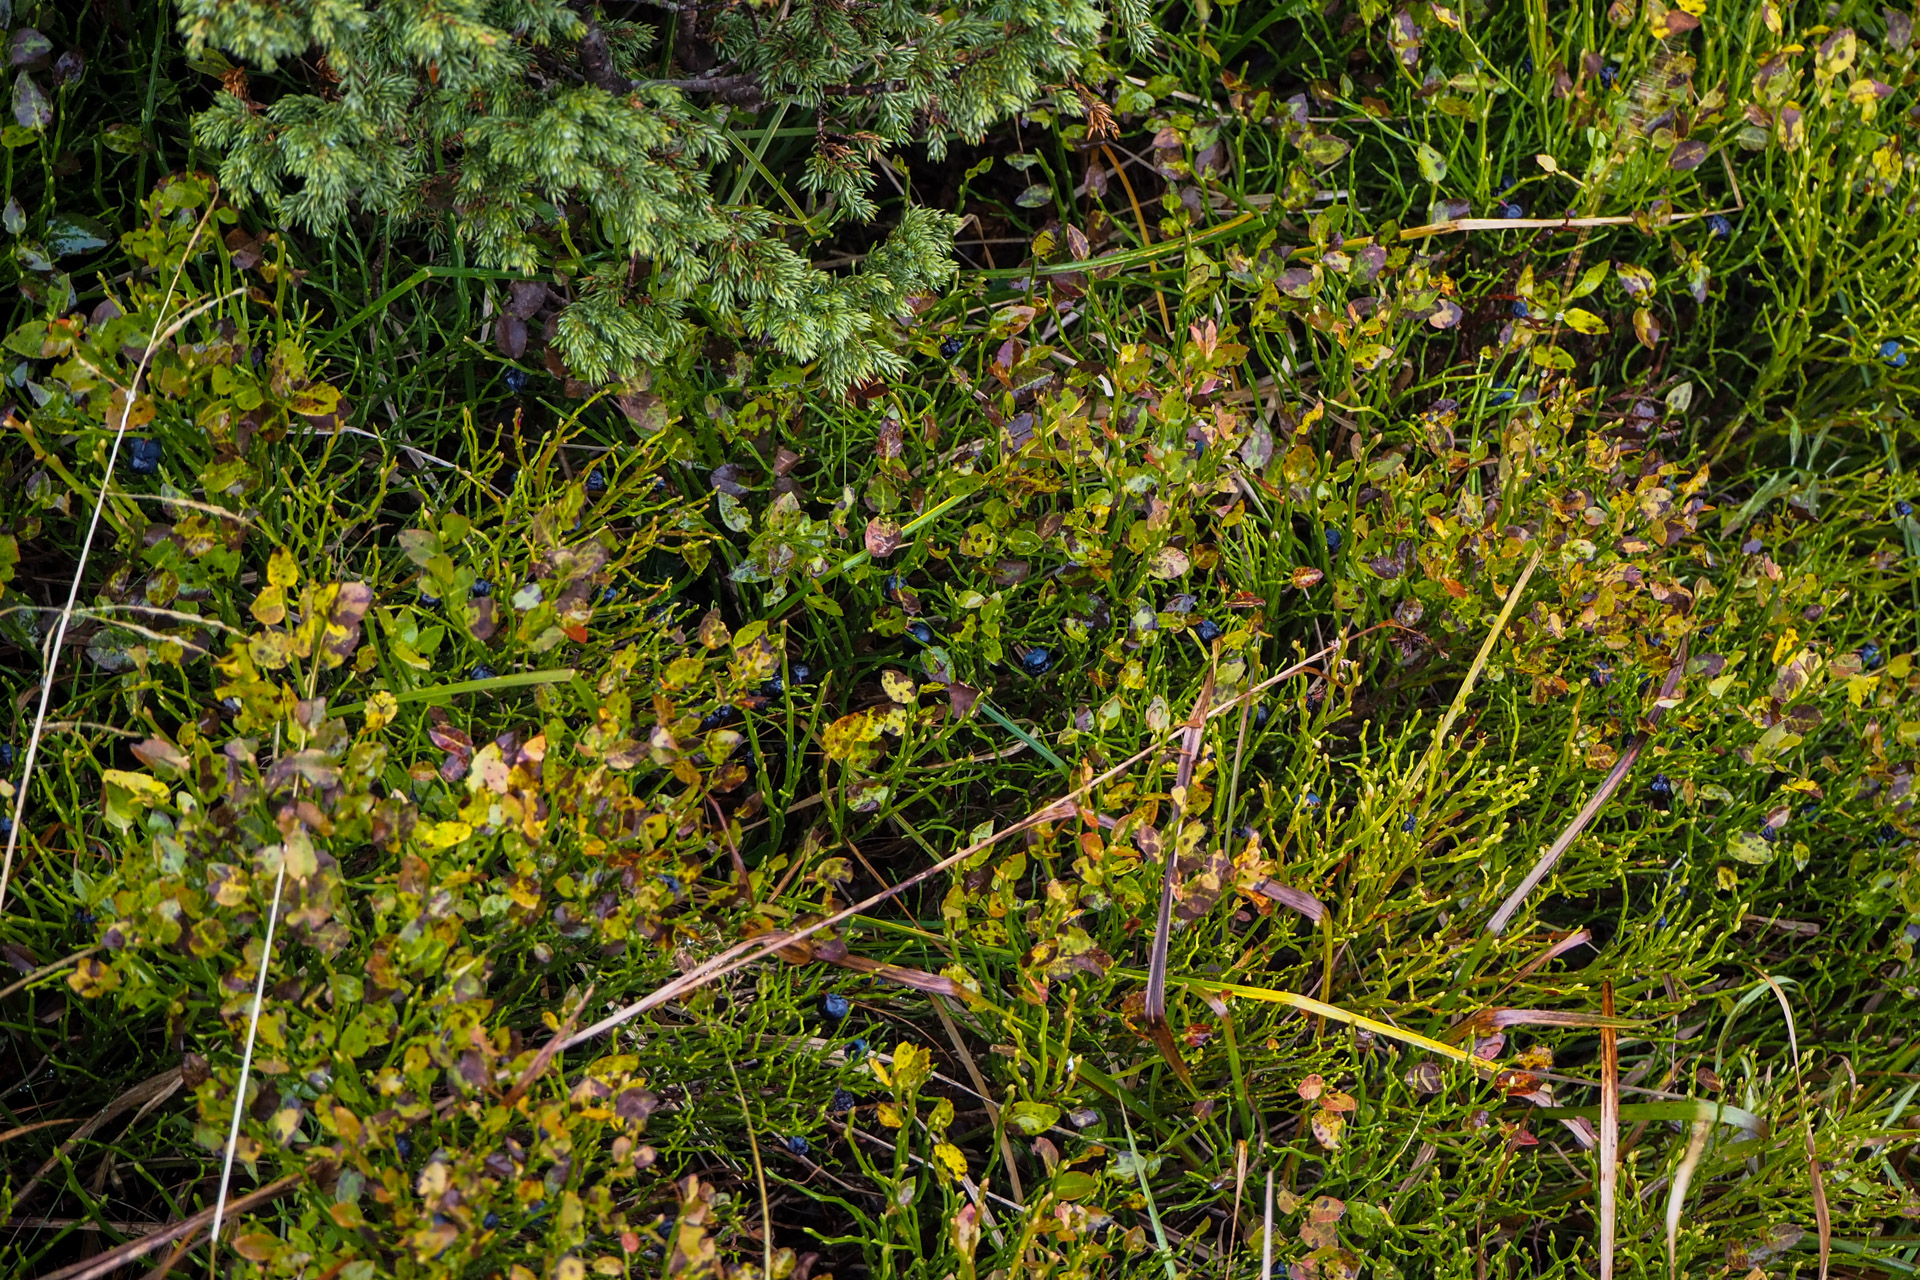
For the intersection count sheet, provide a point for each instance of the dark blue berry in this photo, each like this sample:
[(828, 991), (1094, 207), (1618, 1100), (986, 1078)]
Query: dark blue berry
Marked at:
[(1719, 227), (774, 687), (6, 825), (537, 1208), (610, 595), (1519, 310), (404, 1147), (1311, 799), (1526, 64), (673, 884), (1870, 656), (1903, 508), (842, 1102), (83, 916), (1035, 661), (1410, 824), (516, 381), (6, 755), (1770, 833), (952, 347), (481, 672), (719, 718), (920, 631), (795, 1144), (1609, 73), (480, 588), (1891, 352), (1207, 631), (1333, 539), (1602, 674), (1502, 394), (429, 602), (491, 1221), (890, 589), (1512, 209), (596, 482), (1660, 792), (1260, 715), (856, 1050), (834, 1006), (143, 456), (799, 673)]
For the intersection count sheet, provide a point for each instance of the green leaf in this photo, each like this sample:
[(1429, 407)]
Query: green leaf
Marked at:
[(1074, 1185), (1590, 279), (1033, 1118), (71, 233), (1433, 165)]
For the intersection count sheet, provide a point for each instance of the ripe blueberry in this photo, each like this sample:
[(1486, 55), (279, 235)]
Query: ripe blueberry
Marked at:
[(143, 456)]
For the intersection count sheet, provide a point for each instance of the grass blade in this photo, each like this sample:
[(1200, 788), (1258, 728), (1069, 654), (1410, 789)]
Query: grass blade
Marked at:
[(1156, 1002), (1822, 1213), (1677, 1194), (1617, 775), (1417, 780), (1609, 1132)]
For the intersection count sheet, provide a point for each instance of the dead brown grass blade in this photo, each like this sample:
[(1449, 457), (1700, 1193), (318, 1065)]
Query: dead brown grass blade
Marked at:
[(1504, 916), (1298, 899), (1156, 1001), (185, 1229), (1489, 1020), (986, 1097), (26, 1129), (547, 1052), (145, 1095), (1609, 1132), (757, 948)]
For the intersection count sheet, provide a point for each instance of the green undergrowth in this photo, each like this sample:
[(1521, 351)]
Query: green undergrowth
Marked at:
[(505, 700)]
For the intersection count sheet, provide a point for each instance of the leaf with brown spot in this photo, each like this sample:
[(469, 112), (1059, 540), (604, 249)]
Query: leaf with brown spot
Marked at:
[(883, 537)]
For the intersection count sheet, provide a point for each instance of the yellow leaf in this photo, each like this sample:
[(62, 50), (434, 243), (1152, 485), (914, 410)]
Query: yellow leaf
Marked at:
[(1581, 321), (952, 1157), (91, 978), (270, 607), (282, 569), (146, 789), (898, 686), (890, 1115), (382, 707), (444, 835)]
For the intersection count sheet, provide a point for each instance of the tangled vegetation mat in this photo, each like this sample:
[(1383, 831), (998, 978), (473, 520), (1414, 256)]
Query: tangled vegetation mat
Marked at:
[(1330, 691)]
